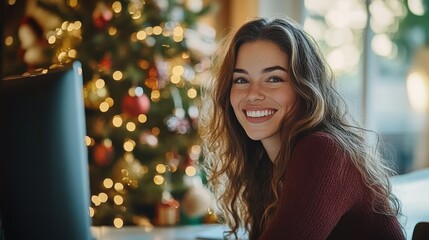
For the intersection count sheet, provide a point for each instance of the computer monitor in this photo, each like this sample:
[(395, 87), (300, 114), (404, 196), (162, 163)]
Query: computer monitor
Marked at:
[(44, 179)]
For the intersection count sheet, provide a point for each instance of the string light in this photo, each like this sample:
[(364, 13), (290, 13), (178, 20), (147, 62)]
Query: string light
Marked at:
[(118, 222), (117, 75), (141, 35), (119, 200), (149, 30), (88, 141), (155, 95), (117, 121), (72, 3), (52, 39), (192, 93), (103, 197), (175, 79), (157, 30), (158, 179), (8, 41), (117, 7), (131, 126), (104, 107), (72, 53), (129, 145), (142, 118), (112, 31), (109, 101), (108, 183), (190, 171), (91, 212), (160, 168), (96, 200), (119, 187)]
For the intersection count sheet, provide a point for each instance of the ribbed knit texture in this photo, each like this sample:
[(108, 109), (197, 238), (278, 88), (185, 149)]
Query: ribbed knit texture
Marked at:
[(324, 197)]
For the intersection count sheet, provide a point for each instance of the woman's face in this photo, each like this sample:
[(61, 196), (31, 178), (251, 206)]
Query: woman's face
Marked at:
[(261, 92)]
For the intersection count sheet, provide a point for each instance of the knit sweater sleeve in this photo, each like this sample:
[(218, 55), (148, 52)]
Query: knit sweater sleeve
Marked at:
[(320, 185)]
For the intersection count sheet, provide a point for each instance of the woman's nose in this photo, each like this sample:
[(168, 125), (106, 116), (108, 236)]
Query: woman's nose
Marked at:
[(255, 92)]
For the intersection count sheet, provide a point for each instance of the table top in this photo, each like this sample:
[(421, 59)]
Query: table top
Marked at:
[(187, 232)]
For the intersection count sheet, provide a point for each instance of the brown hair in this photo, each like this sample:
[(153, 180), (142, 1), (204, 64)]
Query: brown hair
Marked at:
[(239, 170)]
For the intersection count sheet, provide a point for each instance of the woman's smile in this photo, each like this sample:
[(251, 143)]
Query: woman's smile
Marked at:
[(261, 93)]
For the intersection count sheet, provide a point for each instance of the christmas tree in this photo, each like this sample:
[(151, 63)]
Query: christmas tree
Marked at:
[(143, 62)]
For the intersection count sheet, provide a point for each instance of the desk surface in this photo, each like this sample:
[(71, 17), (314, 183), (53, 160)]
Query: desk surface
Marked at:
[(411, 189), (202, 232)]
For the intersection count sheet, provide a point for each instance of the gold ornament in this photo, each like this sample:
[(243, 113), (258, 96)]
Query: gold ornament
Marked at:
[(128, 170), (95, 92)]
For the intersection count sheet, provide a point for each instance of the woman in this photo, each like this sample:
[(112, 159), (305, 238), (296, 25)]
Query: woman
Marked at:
[(282, 157)]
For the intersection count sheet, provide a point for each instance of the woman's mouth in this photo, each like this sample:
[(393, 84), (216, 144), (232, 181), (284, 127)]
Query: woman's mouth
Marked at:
[(259, 113)]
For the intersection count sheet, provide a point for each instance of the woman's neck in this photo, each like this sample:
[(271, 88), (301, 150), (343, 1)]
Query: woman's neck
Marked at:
[(272, 146)]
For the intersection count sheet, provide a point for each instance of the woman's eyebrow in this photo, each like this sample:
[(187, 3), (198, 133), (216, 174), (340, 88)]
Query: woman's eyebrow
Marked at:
[(239, 70), (265, 70), (270, 69)]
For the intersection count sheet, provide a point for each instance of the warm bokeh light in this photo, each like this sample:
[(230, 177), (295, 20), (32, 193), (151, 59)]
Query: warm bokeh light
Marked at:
[(129, 145), (382, 45), (108, 183), (117, 7), (104, 107), (142, 118), (109, 101), (192, 93), (118, 199), (155, 95), (417, 7), (117, 121), (141, 35), (117, 75), (119, 187), (190, 171), (96, 200), (112, 31), (91, 212), (72, 3), (131, 126), (118, 222), (158, 179), (417, 88), (157, 30), (89, 141), (178, 70), (160, 168), (103, 197), (8, 41)]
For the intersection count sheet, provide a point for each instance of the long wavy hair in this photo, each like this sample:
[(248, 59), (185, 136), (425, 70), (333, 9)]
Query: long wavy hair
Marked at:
[(242, 177)]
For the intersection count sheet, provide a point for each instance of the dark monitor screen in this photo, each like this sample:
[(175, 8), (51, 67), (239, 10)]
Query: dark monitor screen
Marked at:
[(44, 175)]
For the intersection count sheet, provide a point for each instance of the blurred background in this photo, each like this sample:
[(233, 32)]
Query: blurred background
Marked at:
[(143, 63)]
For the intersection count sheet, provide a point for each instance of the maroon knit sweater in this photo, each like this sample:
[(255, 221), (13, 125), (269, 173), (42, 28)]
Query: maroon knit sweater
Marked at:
[(324, 197)]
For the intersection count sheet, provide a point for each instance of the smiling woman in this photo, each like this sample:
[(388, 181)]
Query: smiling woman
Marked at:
[(277, 131), (261, 94)]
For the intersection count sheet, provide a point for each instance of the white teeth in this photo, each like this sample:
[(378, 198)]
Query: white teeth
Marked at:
[(259, 113)]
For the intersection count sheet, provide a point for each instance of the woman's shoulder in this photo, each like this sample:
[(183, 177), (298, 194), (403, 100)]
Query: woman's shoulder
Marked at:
[(318, 139), (321, 152), (320, 147)]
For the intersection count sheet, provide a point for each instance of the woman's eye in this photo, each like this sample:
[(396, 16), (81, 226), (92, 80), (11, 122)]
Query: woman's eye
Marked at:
[(275, 79), (240, 80)]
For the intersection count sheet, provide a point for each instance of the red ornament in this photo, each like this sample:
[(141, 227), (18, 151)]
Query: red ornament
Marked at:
[(101, 15), (103, 154), (135, 105), (105, 63)]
